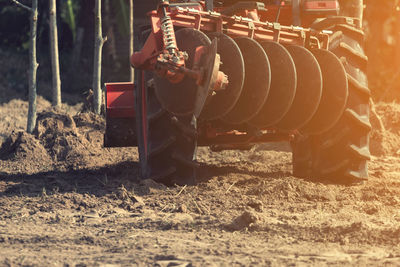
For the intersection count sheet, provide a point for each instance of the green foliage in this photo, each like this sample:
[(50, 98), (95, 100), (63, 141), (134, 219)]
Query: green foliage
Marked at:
[(68, 10), (121, 9)]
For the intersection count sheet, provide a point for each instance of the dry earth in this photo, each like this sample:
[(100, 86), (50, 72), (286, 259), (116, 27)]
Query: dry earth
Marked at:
[(66, 201)]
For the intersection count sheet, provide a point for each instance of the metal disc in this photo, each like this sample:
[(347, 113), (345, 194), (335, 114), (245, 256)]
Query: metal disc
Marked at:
[(334, 93), (308, 92), (283, 85), (232, 65), (179, 98), (257, 82), (210, 63)]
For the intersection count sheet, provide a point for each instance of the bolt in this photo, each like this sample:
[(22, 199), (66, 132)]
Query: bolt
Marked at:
[(185, 55), (175, 59)]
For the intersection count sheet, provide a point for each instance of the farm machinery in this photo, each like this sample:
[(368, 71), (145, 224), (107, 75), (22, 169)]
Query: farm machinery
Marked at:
[(232, 74)]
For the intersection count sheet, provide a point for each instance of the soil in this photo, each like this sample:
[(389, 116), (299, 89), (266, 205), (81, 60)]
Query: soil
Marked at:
[(67, 201), (386, 141)]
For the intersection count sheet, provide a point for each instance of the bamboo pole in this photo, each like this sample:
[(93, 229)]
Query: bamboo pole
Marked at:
[(33, 65), (32, 69), (55, 65), (98, 48)]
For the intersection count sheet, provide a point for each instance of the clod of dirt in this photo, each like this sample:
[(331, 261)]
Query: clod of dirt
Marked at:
[(390, 114), (89, 120), (182, 208), (59, 135), (81, 202), (24, 146), (49, 122), (92, 214), (386, 141), (247, 219), (170, 263), (176, 221), (71, 141), (256, 204), (60, 142), (170, 260), (125, 195), (149, 186)]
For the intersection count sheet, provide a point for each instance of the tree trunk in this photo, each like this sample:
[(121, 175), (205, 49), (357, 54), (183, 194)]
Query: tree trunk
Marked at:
[(32, 69), (98, 47), (55, 65), (131, 37)]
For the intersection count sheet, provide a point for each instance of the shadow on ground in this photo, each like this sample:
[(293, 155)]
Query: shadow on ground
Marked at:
[(98, 182)]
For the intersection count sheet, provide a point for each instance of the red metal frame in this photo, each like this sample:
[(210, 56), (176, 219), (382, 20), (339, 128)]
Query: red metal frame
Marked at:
[(320, 5), (120, 100), (309, 11), (235, 26), (231, 25)]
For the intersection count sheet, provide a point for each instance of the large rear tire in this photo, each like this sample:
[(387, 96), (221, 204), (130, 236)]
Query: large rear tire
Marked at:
[(341, 154), (167, 144)]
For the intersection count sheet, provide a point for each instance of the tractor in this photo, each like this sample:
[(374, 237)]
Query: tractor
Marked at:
[(231, 74)]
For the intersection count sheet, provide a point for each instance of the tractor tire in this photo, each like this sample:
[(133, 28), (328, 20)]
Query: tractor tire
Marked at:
[(167, 144), (340, 154)]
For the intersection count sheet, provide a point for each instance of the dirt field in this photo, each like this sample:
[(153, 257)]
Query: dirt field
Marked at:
[(66, 201)]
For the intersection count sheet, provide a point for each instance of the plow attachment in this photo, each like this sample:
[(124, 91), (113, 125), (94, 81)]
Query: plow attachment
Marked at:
[(238, 73), (262, 74)]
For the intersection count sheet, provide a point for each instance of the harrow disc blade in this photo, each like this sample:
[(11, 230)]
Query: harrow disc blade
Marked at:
[(334, 93), (223, 101), (257, 82), (309, 89), (179, 98), (283, 86)]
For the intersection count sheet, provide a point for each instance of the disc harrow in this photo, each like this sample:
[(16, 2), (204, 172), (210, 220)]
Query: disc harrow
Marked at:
[(240, 77), (264, 75)]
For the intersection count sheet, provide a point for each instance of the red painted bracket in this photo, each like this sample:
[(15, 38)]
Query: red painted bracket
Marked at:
[(120, 100)]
